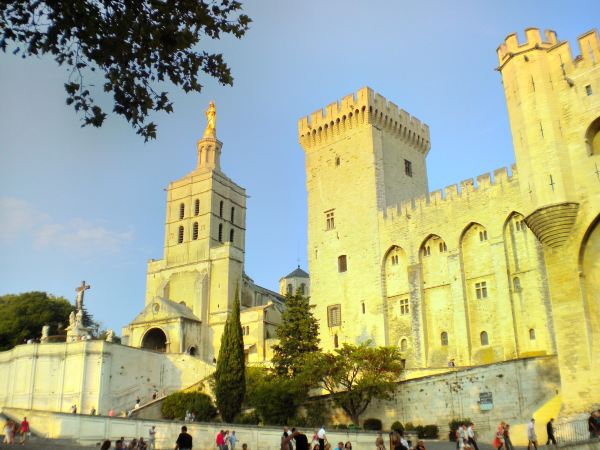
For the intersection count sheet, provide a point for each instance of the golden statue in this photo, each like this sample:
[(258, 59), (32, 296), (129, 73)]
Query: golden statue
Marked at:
[(211, 121)]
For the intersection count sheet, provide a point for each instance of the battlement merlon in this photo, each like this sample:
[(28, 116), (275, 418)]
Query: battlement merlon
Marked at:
[(363, 107), (452, 194), (589, 46)]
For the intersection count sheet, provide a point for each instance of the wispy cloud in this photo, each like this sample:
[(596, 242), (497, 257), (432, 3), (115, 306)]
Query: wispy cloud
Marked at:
[(20, 219)]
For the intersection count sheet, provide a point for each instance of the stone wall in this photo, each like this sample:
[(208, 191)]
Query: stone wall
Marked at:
[(519, 390), (93, 429), (90, 374)]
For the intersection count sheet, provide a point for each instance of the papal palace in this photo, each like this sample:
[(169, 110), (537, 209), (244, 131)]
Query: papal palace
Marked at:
[(490, 287)]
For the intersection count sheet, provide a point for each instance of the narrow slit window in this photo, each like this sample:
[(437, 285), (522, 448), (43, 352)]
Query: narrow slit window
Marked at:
[(342, 263), (444, 338), (197, 207), (220, 232), (231, 233), (483, 337), (181, 210), (408, 168), (180, 235), (195, 231), (232, 214), (221, 209)]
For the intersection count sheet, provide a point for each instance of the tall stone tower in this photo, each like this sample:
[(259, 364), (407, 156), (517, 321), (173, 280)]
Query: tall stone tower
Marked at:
[(362, 154), (190, 291), (553, 104)]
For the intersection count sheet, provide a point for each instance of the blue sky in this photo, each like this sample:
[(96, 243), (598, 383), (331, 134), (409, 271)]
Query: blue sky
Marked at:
[(82, 203)]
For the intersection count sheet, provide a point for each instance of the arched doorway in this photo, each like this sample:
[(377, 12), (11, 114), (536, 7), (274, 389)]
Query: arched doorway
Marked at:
[(193, 351), (155, 339)]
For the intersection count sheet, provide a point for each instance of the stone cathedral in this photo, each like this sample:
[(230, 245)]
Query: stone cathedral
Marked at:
[(190, 292), (498, 269)]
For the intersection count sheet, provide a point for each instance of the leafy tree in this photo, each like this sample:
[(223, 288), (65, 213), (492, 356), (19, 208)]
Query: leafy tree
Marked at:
[(275, 399), (298, 336), (137, 45), (175, 405), (24, 315), (230, 382), (357, 374)]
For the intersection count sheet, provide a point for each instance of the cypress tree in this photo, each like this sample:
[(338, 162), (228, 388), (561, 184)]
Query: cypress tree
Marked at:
[(230, 380), (298, 336)]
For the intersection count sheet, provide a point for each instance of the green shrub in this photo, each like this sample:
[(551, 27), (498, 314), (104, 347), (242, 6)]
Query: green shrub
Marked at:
[(372, 424), (409, 427), (453, 424), (175, 405), (248, 418), (397, 426), (353, 427), (429, 432)]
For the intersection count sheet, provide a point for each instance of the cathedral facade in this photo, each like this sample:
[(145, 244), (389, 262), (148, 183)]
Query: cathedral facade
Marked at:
[(190, 291), (503, 268)]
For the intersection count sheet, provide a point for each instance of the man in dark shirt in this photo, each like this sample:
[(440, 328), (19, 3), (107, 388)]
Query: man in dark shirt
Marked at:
[(184, 441), (550, 432), (300, 438)]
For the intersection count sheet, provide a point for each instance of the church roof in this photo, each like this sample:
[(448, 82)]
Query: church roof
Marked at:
[(162, 309), (297, 273)]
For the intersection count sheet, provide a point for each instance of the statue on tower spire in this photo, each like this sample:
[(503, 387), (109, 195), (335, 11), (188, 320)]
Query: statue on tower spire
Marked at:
[(211, 121)]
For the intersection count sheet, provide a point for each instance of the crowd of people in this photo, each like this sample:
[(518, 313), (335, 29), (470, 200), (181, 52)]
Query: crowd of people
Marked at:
[(133, 444), (12, 429)]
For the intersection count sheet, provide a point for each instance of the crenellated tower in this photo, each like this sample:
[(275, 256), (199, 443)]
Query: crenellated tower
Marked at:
[(362, 155), (549, 95), (553, 104)]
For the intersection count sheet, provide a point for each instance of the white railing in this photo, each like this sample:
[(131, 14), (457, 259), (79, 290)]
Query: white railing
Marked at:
[(572, 431)]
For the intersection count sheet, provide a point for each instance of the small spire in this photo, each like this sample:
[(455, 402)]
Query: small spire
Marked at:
[(211, 121)]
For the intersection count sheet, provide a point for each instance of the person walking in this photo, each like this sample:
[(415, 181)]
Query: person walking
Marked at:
[(471, 436), (24, 430), (531, 436), (184, 440), (499, 439), (220, 440), (322, 437), (379, 442), (550, 432), (152, 438), (507, 442), (232, 440)]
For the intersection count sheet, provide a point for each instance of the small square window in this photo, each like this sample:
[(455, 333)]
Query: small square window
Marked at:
[(588, 89), (408, 168)]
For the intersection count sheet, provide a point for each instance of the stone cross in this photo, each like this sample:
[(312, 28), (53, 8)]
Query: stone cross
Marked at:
[(80, 292)]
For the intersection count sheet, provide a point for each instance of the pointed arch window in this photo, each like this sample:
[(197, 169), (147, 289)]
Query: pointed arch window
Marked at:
[(180, 235), (195, 231)]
